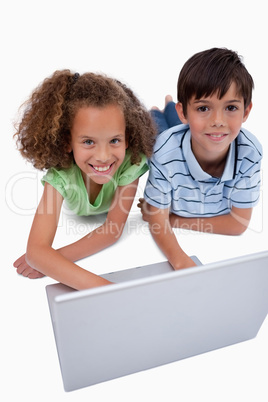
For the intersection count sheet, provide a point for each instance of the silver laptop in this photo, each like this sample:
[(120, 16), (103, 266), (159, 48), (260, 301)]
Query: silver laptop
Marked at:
[(154, 315)]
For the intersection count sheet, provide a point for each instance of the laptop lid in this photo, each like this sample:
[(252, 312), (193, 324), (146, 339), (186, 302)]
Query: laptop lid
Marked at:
[(112, 331)]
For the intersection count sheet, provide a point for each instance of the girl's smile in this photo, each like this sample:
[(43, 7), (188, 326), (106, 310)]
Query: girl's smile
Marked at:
[(102, 169), (98, 142)]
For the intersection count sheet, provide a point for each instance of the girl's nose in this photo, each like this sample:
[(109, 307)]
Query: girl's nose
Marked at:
[(102, 154)]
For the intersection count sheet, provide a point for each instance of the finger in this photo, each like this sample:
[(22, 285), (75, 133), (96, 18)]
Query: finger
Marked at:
[(21, 268), (19, 261), (35, 275), (141, 202), (25, 271), (29, 272)]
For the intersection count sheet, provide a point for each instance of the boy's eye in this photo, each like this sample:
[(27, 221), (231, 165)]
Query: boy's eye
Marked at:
[(203, 109), (231, 108)]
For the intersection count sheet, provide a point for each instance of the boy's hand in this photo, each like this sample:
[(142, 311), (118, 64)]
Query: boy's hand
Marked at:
[(25, 270), (184, 262), (144, 209)]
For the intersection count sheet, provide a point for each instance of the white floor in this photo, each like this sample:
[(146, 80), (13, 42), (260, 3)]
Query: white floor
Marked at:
[(144, 44)]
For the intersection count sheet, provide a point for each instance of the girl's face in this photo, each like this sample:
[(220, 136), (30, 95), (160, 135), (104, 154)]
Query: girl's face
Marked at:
[(214, 123), (98, 141)]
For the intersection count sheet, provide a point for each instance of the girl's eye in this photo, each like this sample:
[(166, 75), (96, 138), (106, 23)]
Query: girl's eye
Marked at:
[(88, 142), (115, 141), (231, 108), (203, 109)]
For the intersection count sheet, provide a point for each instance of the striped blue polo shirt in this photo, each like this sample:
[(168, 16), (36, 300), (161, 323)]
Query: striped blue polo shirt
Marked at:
[(177, 181)]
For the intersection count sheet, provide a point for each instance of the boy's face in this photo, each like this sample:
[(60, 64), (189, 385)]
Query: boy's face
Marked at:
[(214, 123)]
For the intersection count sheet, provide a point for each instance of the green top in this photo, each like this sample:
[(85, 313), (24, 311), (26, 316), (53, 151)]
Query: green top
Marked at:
[(70, 184)]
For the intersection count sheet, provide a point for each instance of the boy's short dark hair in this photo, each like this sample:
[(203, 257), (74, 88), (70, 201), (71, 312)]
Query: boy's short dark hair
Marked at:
[(213, 71)]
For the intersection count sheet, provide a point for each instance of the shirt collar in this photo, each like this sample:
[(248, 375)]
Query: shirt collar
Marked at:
[(195, 169), (229, 170)]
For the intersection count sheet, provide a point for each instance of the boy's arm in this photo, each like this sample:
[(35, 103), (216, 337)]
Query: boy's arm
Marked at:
[(234, 223), (165, 238)]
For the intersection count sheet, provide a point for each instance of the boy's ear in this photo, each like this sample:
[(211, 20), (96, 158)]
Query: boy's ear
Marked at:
[(179, 109), (247, 111)]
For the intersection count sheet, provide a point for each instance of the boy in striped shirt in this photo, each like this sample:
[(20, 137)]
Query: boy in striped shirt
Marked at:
[(204, 173)]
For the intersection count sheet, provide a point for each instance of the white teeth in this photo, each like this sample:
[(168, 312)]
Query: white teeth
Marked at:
[(217, 136), (101, 168)]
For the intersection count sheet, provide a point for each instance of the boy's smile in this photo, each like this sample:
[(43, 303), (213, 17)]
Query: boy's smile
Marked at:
[(214, 124)]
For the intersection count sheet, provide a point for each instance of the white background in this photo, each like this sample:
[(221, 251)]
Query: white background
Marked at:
[(144, 44)]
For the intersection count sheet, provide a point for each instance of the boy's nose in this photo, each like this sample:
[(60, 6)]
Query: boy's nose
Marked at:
[(217, 119)]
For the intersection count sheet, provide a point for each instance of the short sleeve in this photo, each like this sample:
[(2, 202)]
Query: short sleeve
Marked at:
[(127, 172), (158, 189), (246, 191), (69, 183), (57, 179)]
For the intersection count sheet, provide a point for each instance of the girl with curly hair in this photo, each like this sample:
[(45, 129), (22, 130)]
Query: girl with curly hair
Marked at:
[(93, 136)]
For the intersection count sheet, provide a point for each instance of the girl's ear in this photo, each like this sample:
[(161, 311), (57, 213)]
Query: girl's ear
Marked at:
[(179, 109), (247, 111), (69, 148), (126, 140)]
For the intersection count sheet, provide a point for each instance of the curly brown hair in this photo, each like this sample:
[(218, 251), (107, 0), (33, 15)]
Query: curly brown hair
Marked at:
[(44, 132)]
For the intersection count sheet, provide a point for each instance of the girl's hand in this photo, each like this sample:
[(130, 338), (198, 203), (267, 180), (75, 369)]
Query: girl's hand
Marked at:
[(25, 270)]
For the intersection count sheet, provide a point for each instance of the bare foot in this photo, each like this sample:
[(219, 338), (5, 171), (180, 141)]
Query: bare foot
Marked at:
[(168, 99)]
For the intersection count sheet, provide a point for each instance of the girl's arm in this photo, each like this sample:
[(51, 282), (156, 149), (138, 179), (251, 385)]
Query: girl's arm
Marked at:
[(46, 219), (234, 223), (110, 231), (42, 257), (165, 238)]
